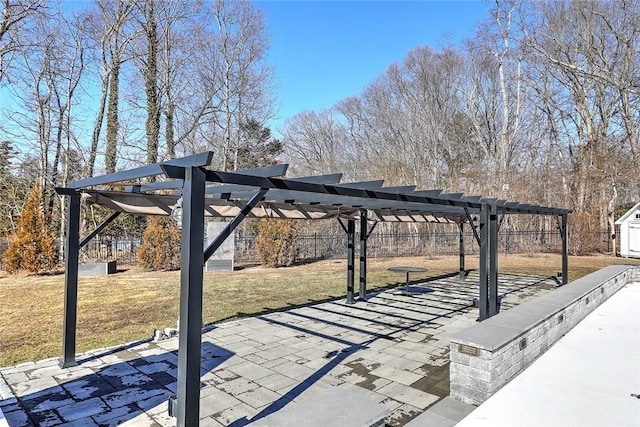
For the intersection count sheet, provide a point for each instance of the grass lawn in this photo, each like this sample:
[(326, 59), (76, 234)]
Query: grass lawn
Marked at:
[(129, 305)]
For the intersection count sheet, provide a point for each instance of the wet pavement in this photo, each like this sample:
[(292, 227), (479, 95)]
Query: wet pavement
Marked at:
[(392, 349)]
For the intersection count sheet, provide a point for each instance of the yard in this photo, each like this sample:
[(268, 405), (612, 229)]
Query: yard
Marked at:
[(129, 305)]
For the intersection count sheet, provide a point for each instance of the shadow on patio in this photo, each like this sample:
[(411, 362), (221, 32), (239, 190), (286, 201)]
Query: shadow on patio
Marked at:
[(392, 349)]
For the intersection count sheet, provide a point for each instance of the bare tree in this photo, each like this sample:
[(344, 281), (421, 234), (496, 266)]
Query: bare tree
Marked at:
[(12, 189), (189, 86), (170, 106), (152, 40), (12, 40), (493, 96), (112, 37), (435, 130), (172, 77), (241, 43), (316, 143), (48, 74), (408, 125), (583, 64)]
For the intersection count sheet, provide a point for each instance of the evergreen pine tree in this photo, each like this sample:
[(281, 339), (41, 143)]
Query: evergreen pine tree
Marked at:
[(160, 249), (276, 242), (34, 248)]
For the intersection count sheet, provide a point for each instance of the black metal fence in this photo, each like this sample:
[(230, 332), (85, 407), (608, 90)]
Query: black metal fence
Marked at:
[(324, 246), (122, 250), (334, 245)]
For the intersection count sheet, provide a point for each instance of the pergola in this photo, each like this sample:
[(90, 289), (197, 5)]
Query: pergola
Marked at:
[(265, 193)]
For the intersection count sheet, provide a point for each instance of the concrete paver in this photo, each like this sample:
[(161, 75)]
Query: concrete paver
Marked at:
[(391, 349)]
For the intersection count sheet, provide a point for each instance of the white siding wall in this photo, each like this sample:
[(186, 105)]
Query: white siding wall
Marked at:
[(624, 239), (630, 233)]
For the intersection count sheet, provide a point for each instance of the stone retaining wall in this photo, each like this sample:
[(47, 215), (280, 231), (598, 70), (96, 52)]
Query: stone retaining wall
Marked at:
[(488, 355)]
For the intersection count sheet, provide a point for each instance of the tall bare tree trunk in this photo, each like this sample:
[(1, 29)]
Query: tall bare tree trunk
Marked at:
[(151, 86), (169, 128), (97, 127), (111, 151), (114, 41)]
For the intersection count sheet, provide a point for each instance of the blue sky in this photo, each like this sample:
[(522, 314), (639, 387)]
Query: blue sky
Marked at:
[(325, 51)]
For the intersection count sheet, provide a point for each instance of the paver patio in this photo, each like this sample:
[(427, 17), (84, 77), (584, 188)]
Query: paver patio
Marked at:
[(392, 349)]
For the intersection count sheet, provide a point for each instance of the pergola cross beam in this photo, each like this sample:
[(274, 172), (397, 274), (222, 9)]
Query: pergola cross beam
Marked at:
[(196, 160)]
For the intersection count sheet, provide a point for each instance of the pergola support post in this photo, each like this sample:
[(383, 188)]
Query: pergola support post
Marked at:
[(72, 250), (363, 254), (564, 232), (484, 251), (462, 274), (351, 237), (187, 405), (494, 307)]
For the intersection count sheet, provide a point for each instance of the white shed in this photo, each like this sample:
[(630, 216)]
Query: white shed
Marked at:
[(629, 224)]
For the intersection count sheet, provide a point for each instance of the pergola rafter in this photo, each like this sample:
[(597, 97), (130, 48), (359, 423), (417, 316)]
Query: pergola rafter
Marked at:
[(264, 192)]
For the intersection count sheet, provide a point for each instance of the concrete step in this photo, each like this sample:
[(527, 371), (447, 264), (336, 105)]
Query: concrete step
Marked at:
[(334, 407), (446, 413)]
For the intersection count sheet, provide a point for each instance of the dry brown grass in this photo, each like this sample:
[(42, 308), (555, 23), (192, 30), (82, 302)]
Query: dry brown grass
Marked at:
[(129, 305)]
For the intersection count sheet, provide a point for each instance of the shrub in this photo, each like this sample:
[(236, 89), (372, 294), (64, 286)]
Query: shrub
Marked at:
[(276, 242), (34, 248), (160, 249), (584, 233)]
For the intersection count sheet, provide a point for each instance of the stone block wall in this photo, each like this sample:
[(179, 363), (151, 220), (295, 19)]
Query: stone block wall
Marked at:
[(488, 355)]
